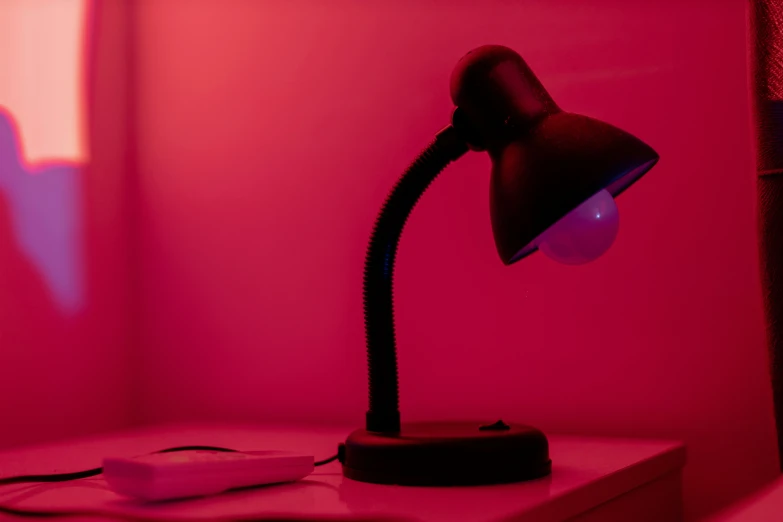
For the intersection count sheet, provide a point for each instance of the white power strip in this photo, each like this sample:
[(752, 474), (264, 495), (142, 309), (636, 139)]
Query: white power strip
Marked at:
[(164, 476)]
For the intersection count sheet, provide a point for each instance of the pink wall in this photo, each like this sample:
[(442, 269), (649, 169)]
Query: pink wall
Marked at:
[(64, 322), (269, 134)]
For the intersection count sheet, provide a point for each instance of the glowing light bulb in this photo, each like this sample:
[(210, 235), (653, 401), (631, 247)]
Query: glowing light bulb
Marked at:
[(583, 234)]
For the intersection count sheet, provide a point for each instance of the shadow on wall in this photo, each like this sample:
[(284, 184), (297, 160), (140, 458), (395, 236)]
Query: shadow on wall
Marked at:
[(45, 217)]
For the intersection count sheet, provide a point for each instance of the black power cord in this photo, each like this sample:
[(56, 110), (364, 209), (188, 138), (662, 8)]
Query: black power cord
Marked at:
[(63, 477), (76, 475), (326, 461)]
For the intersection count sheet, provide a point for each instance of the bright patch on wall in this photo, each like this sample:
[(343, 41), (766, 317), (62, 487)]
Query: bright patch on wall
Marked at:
[(42, 53), (43, 145)]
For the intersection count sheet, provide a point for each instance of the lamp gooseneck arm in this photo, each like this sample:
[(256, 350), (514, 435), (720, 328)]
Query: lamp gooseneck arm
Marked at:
[(384, 415)]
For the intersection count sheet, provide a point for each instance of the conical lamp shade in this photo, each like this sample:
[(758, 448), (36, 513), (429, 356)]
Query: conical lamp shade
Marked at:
[(545, 162), (550, 170)]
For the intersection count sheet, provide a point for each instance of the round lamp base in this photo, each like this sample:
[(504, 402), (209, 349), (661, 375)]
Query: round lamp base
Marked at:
[(447, 454)]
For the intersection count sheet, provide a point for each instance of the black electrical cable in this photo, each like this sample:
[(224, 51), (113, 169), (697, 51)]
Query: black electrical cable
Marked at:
[(103, 515), (158, 518), (64, 477), (326, 461)]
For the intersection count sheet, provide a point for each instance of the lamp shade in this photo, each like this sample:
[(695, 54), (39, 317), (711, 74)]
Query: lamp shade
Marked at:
[(545, 162)]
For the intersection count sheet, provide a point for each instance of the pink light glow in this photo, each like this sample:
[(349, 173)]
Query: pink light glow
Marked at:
[(231, 282), (267, 148), (42, 62), (64, 318), (45, 205)]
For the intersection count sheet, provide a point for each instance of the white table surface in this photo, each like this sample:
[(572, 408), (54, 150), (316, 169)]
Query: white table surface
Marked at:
[(586, 473), (765, 505)]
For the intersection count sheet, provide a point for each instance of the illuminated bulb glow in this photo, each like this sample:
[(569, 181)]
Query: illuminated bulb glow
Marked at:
[(583, 234)]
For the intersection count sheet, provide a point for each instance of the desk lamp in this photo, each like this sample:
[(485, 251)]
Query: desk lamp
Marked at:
[(554, 178)]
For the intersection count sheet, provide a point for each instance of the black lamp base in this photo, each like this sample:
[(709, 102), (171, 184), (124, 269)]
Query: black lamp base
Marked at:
[(447, 454)]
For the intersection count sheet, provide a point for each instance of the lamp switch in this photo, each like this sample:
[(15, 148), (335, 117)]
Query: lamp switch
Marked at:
[(498, 426)]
